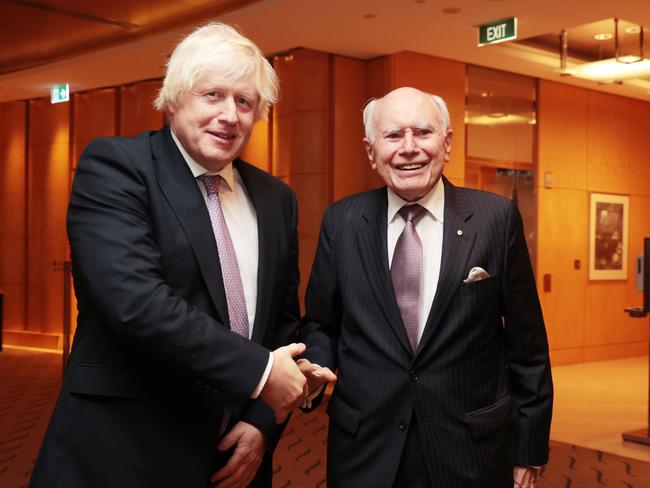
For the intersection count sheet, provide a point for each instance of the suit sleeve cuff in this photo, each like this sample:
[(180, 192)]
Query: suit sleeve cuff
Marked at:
[(265, 376)]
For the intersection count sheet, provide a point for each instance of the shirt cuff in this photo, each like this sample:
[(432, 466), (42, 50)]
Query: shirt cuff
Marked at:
[(307, 403), (265, 376)]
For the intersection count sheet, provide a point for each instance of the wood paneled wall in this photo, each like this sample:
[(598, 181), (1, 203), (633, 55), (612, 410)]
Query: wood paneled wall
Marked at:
[(13, 178), (137, 114), (40, 144), (589, 142), (349, 94), (301, 141), (48, 181)]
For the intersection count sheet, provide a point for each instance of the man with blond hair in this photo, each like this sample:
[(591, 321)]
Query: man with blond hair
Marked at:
[(185, 269)]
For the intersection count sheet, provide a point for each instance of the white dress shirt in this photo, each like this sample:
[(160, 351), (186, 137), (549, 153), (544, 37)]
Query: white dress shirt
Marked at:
[(241, 219), (429, 228)]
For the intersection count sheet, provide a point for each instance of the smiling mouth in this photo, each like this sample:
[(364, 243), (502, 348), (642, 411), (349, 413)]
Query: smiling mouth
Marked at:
[(223, 136), (410, 167)]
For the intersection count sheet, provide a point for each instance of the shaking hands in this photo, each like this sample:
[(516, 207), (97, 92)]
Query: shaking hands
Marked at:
[(289, 385)]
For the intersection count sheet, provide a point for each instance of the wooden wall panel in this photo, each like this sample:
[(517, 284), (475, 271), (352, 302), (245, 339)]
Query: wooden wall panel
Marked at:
[(93, 116), (257, 151), (301, 141), (379, 83), (638, 153), (590, 142), (349, 160), (607, 143), (47, 196), (12, 212), (137, 114), (562, 221), (563, 135)]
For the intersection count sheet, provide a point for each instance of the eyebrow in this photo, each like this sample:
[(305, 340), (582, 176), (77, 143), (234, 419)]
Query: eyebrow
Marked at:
[(418, 126)]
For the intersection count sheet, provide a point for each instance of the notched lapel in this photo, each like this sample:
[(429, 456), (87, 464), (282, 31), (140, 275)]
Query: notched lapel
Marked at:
[(181, 191), (373, 249), (458, 238)]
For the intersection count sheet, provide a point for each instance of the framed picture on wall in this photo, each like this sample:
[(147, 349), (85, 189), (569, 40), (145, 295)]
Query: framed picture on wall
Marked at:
[(608, 236)]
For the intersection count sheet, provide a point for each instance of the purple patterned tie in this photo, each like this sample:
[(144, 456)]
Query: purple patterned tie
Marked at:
[(406, 272), (227, 257)]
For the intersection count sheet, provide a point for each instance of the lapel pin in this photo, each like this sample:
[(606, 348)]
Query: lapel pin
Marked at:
[(459, 232)]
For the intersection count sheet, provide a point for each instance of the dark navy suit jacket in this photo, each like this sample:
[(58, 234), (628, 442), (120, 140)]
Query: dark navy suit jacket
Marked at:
[(154, 362)]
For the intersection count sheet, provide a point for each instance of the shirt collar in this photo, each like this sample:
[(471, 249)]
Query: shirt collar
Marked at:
[(197, 170), (434, 202)]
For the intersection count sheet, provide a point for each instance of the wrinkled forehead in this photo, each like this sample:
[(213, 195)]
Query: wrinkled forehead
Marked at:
[(404, 110)]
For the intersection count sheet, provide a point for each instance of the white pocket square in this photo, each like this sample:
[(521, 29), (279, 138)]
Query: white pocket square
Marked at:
[(476, 274)]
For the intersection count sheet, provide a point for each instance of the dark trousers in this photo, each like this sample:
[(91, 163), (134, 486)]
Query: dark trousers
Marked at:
[(412, 470)]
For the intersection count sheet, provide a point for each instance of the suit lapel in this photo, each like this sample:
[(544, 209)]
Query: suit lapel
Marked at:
[(267, 256), (457, 242), (181, 191), (373, 249)]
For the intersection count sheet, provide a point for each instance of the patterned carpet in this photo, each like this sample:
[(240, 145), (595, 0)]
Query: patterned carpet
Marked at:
[(29, 382)]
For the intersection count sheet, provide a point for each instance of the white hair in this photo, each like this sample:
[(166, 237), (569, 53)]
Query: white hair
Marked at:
[(369, 114), (217, 46)]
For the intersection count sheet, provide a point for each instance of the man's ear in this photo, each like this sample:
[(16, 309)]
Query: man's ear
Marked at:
[(448, 138), (370, 152)]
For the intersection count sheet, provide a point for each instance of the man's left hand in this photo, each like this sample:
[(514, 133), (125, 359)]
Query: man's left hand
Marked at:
[(242, 466), (525, 477)]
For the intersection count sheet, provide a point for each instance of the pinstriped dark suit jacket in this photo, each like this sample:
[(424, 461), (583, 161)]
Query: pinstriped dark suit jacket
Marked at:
[(480, 381)]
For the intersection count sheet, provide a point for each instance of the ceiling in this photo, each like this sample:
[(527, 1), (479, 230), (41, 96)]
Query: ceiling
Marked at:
[(93, 43)]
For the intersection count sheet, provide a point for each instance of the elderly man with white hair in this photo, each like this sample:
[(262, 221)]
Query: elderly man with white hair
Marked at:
[(185, 269), (423, 297)]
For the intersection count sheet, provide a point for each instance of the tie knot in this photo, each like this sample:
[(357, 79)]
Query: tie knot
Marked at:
[(212, 183), (412, 213)]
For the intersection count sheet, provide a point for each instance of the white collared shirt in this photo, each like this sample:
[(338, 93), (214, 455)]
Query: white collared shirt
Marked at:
[(429, 228), (241, 219)]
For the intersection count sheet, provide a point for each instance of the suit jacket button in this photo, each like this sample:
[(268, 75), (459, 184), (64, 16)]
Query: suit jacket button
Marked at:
[(403, 426), (414, 376)]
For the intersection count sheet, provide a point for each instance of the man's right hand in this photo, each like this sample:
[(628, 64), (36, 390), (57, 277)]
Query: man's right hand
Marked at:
[(286, 386)]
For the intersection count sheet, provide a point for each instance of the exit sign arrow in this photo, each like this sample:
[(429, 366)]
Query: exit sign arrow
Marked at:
[(60, 93), (498, 31)]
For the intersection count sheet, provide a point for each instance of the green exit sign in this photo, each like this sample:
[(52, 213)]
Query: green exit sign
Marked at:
[(499, 31), (60, 93)]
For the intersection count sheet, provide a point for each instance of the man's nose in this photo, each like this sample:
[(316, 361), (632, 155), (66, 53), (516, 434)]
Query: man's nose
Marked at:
[(228, 111), (408, 145)]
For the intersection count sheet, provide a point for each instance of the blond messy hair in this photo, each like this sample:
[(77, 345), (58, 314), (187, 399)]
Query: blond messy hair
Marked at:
[(217, 46)]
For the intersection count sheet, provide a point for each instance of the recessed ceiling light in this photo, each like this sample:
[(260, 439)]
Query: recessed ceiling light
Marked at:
[(603, 37), (485, 94), (629, 58), (451, 10), (635, 29)]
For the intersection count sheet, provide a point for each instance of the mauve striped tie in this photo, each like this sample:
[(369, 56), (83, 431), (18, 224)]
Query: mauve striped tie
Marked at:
[(227, 257), (406, 272)]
